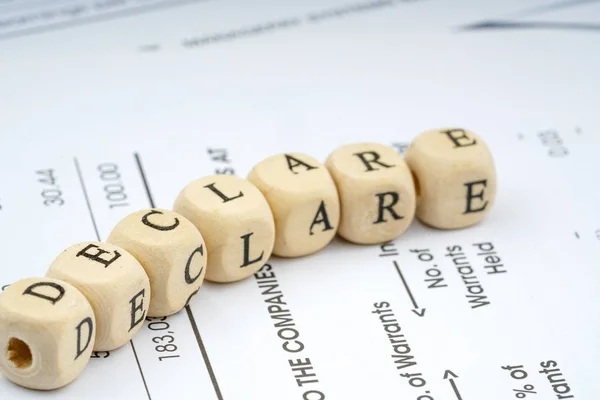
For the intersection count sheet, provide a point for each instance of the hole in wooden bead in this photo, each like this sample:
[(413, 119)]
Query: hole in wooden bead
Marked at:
[(18, 353), (417, 186)]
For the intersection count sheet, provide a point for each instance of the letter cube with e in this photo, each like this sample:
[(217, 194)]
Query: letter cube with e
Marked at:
[(172, 252), (47, 332), (114, 283), (235, 221), (376, 190), (456, 177), (303, 199)]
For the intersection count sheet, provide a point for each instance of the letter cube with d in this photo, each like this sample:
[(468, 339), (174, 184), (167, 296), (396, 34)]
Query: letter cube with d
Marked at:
[(47, 332), (455, 175), (115, 284)]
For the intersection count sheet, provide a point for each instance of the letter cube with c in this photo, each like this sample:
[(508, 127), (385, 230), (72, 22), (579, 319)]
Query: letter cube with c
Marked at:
[(114, 283), (235, 221), (47, 332), (303, 199), (172, 252), (376, 190), (456, 177)]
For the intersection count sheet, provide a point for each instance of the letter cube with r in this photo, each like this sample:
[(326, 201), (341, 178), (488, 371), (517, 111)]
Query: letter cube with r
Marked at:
[(96, 295)]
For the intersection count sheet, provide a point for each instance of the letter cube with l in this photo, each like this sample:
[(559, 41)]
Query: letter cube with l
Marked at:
[(114, 283), (376, 191), (235, 221), (47, 332), (456, 177), (303, 199), (172, 252)]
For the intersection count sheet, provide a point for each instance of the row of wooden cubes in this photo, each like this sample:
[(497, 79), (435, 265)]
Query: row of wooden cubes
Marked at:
[(223, 228)]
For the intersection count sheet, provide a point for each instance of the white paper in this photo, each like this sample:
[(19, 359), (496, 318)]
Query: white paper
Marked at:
[(167, 89)]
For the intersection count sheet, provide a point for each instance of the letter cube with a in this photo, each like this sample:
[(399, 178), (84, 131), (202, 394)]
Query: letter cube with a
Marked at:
[(47, 332), (376, 190), (303, 199), (235, 221), (454, 171), (172, 252), (114, 283)]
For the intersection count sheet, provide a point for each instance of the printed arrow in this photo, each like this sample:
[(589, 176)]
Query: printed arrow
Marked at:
[(449, 373), (419, 311)]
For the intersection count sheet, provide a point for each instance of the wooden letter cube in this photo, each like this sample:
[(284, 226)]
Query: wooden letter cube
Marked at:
[(456, 177), (376, 189), (303, 199), (114, 283), (236, 223), (172, 252), (47, 332)]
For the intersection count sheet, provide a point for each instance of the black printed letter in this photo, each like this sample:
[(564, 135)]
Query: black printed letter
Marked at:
[(96, 256), (374, 160), (247, 260), (135, 308), (296, 163), (188, 279), (221, 194), (55, 286), (471, 196), (90, 327), (146, 222), (321, 218), (457, 139), (382, 207)]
